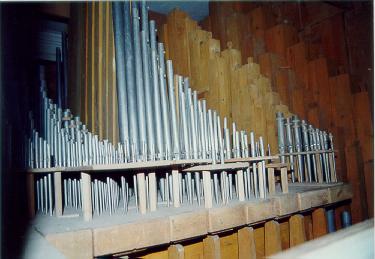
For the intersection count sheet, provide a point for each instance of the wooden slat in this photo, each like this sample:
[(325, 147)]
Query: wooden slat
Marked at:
[(319, 223), (259, 241), (246, 243), (176, 252), (272, 238), (211, 247), (229, 246), (297, 230)]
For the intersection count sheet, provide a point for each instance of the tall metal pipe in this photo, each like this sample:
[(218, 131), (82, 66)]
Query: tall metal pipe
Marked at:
[(130, 82), (118, 25), (164, 102), (172, 107), (139, 87), (159, 143), (148, 99)]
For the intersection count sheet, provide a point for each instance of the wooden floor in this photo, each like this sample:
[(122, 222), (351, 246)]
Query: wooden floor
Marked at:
[(120, 233)]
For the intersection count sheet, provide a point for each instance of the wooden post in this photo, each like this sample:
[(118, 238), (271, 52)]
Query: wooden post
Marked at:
[(152, 191), (211, 247), (284, 179), (207, 189), (176, 189), (261, 184), (296, 230), (271, 181), (241, 186), (319, 223), (176, 252), (246, 243), (58, 193), (272, 238), (86, 196), (30, 194), (141, 193)]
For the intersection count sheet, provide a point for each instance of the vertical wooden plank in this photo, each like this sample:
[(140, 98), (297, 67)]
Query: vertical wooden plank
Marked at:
[(207, 189), (30, 194), (272, 237), (153, 195), (246, 243), (296, 230), (284, 180), (141, 188), (176, 252), (211, 247), (284, 234), (86, 196), (58, 193), (176, 188), (319, 222), (194, 250), (262, 192), (229, 246), (271, 181), (259, 241)]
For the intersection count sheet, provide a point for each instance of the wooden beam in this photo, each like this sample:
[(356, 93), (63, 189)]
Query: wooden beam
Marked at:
[(272, 237), (246, 243)]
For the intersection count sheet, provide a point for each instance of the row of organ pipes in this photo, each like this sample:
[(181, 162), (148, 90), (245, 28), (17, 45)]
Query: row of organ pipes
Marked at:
[(155, 123)]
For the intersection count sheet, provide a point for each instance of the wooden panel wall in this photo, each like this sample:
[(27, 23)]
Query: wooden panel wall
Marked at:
[(92, 87), (231, 85), (301, 67)]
